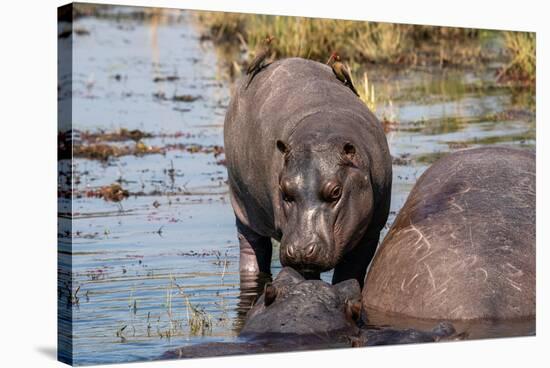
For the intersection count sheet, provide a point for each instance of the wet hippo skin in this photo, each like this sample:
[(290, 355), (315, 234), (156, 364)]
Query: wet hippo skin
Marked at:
[(293, 305), (308, 165), (463, 245)]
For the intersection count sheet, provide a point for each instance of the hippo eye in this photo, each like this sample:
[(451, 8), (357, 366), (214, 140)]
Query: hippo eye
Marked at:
[(332, 192), (286, 196), (336, 192)]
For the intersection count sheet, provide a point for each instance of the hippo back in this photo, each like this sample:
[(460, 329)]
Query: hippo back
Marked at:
[(463, 246), (287, 96)]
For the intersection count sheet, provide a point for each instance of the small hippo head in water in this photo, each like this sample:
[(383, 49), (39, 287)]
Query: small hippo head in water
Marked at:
[(295, 306), (326, 200)]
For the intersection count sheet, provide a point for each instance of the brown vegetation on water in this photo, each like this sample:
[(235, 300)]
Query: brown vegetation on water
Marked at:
[(113, 193), (110, 193), (104, 152), (124, 134), (120, 135), (103, 145)]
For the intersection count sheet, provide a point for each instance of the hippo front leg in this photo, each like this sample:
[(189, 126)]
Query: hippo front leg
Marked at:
[(354, 264), (255, 251)]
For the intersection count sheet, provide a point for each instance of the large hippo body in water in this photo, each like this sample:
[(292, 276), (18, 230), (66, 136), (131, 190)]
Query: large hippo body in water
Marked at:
[(308, 165), (463, 245)]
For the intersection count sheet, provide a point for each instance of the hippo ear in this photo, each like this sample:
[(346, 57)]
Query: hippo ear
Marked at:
[(283, 147), (353, 310), (348, 290), (349, 153), (270, 294), (348, 149)]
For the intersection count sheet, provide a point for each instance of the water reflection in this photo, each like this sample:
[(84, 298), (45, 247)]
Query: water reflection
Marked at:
[(251, 287)]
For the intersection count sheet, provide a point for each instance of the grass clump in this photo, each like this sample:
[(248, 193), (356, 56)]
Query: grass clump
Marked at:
[(355, 41), (307, 37), (366, 92), (521, 49), (382, 42), (200, 322)]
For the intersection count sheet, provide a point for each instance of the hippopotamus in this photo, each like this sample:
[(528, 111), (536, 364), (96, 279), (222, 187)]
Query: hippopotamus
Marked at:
[(463, 245), (309, 166), (292, 314), (296, 306), (298, 314)]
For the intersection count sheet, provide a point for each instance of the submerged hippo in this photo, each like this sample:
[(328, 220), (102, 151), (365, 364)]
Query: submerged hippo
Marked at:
[(463, 245), (292, 314), (298, 314), (294, 305), (308, 165)]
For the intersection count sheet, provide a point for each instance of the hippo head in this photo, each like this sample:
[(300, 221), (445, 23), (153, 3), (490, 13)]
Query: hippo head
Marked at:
[(294, 305), (325, 200)]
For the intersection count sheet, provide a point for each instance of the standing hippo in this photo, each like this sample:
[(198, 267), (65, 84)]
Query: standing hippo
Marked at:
[(463, 245), (308, 165)]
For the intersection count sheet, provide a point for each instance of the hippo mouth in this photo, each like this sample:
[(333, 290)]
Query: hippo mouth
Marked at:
[(309, 267), (310, 273)]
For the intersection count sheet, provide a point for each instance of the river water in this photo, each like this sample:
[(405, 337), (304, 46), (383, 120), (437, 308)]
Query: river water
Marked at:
[(147, 266)]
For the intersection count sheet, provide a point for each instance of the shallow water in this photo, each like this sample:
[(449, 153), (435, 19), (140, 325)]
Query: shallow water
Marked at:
[(145, 264)]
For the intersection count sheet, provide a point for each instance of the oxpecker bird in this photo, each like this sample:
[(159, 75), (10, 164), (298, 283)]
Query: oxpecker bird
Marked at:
[(259, 60), (341, 71)]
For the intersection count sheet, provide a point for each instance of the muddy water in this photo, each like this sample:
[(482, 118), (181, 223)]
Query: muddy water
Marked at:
[(151, 265)]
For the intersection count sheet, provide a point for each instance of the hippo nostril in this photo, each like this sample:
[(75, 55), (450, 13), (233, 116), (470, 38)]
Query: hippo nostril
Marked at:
[(310, 250), (290, 251)]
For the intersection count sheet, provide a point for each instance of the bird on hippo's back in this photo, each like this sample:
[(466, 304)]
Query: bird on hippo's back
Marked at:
[(341, 71), (261, 55)]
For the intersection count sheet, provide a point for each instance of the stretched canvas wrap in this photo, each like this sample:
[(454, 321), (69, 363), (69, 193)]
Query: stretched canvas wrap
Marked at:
[(239, 184)]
